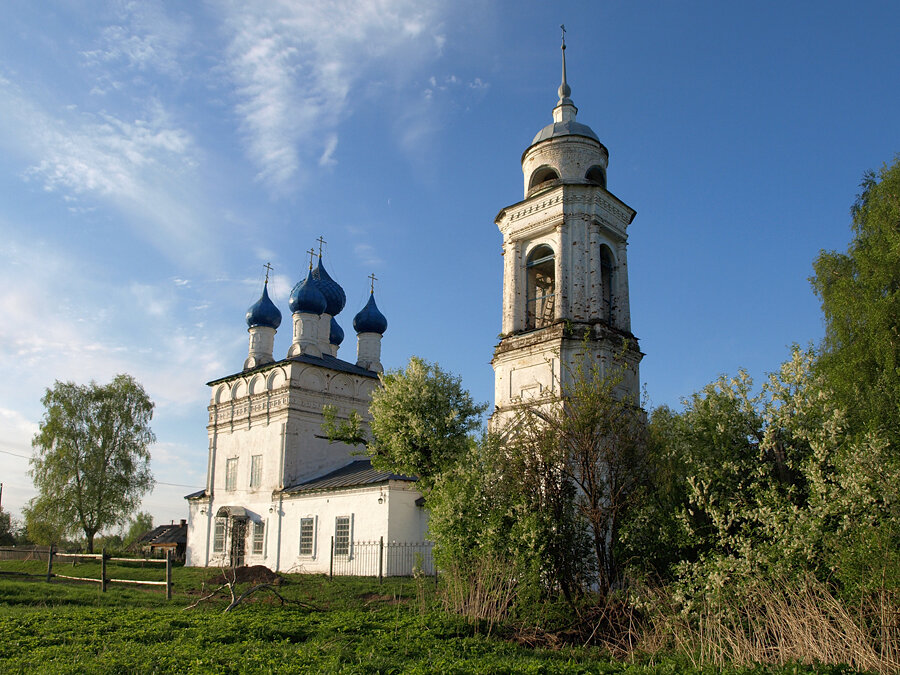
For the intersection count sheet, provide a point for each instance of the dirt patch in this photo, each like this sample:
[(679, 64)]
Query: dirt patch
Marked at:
[(252, 574)]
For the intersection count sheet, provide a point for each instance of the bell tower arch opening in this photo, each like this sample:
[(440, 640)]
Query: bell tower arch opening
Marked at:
[(596, 175), (540, 287), (542, 177), (607, 282)]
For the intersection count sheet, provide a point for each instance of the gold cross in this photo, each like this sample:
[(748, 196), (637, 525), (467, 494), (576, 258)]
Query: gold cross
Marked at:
[(312, 254), (374, 279), (321, 243), (268, 269)]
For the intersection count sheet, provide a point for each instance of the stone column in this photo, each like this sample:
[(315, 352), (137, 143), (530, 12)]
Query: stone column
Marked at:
[(624, 307), (595, 295)]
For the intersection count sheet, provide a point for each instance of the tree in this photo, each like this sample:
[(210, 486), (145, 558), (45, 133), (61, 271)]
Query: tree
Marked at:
[(593, 438), (140, 523), (860, 294), (7, 529), (91, 458), (421, 421)]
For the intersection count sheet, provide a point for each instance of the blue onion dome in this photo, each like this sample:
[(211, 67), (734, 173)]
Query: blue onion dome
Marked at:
[(336, 335), (334, 294), (369, 319), (264, 312), (307, 298)]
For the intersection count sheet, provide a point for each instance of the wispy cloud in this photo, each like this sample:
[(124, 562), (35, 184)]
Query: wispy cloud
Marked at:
[(296, 65), (144, 39), (67, 324), (144, 168)]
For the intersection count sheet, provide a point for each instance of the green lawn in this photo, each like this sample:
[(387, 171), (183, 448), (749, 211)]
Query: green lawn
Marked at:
[(360, 626)]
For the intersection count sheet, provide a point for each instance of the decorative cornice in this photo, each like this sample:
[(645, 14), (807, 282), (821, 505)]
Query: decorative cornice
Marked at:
[(599, 202)]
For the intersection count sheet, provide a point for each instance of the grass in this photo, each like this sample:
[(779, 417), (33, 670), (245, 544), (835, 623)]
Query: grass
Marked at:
[(361, 626)]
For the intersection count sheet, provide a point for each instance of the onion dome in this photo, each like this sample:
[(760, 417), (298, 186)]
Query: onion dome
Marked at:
[(336, 334), (264, 312), (370, 319), (334, 294), (307, 298)]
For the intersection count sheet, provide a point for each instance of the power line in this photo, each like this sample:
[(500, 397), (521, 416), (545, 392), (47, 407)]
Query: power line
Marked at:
[(159, 482), (14, 454)]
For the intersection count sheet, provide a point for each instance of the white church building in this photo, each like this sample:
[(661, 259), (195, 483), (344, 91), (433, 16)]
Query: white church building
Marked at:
[(279, 494)]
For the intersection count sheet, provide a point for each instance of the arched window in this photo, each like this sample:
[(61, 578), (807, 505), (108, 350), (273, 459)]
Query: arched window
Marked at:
[(540, 288), (607, 279), (596, 175), (543, 175)]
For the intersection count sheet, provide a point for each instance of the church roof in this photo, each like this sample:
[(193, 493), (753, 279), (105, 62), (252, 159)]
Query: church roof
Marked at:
[(354, 474), (330, 362), (565, 128)]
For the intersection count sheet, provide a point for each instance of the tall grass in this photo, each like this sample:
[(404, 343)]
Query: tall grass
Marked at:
[(778, 623), (483, 592)]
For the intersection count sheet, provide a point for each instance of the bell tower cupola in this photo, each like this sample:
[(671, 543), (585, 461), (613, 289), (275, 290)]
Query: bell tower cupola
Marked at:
[(565, 270)]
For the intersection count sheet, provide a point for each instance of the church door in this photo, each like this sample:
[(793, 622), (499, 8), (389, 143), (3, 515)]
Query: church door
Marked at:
[(238, 541)]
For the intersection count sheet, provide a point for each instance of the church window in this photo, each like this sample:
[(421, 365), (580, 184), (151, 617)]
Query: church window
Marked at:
[(219, 536), (540, 288), (596, 175), (255, 471), (342, 535), (231, 474), (259, 537), (307, 532), (607, 279), (544, 174)]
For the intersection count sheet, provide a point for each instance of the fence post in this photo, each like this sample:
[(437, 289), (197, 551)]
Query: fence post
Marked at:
[(380, 558), (103, 570), (168, 575), (50, 563), (331, 562)]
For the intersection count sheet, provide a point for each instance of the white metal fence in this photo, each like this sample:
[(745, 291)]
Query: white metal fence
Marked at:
[(383, 559)]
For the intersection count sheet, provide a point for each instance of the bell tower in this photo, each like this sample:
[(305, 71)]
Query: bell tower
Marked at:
[(565, 268)]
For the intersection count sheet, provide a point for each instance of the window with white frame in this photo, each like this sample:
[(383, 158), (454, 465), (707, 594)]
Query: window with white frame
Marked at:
[(342, 535), (231, 474), (307, 535), (259, 537), (219, 536), (255, 471)]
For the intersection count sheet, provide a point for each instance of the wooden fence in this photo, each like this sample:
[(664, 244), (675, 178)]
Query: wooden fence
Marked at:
[(50, 554)]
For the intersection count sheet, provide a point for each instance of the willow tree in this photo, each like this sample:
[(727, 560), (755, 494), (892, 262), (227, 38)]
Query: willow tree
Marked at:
[(91, 460)]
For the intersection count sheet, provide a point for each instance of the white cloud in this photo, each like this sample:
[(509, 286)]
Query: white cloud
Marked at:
[(17, 431), (145, 169), (295, 66), (145, 39), (327, 158), (367, 254)]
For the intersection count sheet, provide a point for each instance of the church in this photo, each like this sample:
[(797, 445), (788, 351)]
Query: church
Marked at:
[(279, 494)]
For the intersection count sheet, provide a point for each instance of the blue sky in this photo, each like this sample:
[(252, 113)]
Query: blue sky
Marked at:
[(153, 156)]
